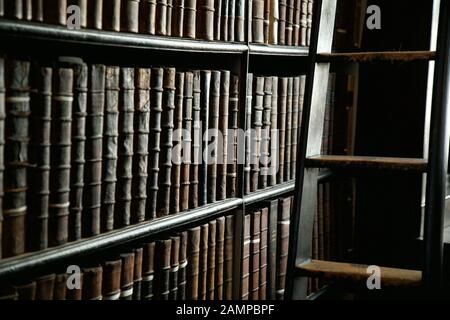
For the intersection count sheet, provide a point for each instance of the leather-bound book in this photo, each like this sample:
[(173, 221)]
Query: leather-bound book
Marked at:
[(219, 259), (273, 21), (231, 19), (129, 19), (178, 18), (301, 98), (217, 19), (187, 128), (212, 141), (205, 19), (27, 10), (169, 17), (263, 253), (190, 8), (59, 291), (174, 268), (41, 108), (192, 271), (111, 279), (2, 140), (122, 211), (148, 271), (196, 136), (288, 141), (16, 156), (165, 157), (255, 243), (161, 17), (228, 258), (282, 14), (248, 138), (92, 282), (156, 85), (258, 21), (162, 269), (175, 198), (295, 125), (147, 16), (112, 15), (74, 293), (127, 276), (55, 11), (203, 262), (240, 21), (110, 143), (232, 144), (182, 257), (272, 248), (245, 283), (211, 273), (289, 22), (61, 141), (26, 291), (284, 211), (13, 9), (94, 151), (95, 14), (274, 136), (141, 142), (266, 20), (296, 23), (82, 4), (320, 222), (309, 22), (265, 133), (137, 273), (282, 107), (45, 287), (257, 126), (222, 149), (303, 23), (37, 10), (224, 24), (204, 118)]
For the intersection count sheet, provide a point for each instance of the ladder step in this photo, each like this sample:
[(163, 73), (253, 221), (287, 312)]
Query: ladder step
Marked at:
[(359, 162), (358, 272), (403, 56)]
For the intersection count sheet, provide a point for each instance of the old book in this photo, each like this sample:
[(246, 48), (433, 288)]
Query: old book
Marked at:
[(301, 98), (211, 272), (320, 222), (196, 136), (303, 23), (178, 18), (284, 211), (95, 14), (255, 243), (94, 150), (37, 10), (182, 257), (232, 144), (224, 24), (258, 91), (205, 19), (13, 9), (204, 118), (16, 156), (282, 14), (75, 293), (126, 276), (240, 21), (92, 282), (156, 84), (174, 268), (219, 258), (248, 136), (186, 140), (112, 269), (272, 238), (217, 19), (148, 271), (60, 288), (165, 157), (295, 125), (161, 17), (147, 16), (282, 107), (222, 148), (265, 133), (274, 136), (263, 253), (27, 10), (112, 15), (212, 139), (122, 212), (45, 287), (55, 11), (129, 19), (177, 144), (110, 144), (228, 258), (231, 20), (273, 21), (162, 269), (203, 262), (82, 4), (309, 22), (141, 142), (296, 23), (266, 20), (190, 8), (258, 21), (137, 273), (289, 22), (192, 271), (245, 283), (26, 291), (169, 17), (288, 139)]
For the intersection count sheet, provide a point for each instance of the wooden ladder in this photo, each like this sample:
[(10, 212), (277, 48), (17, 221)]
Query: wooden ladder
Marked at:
[(300, 265)]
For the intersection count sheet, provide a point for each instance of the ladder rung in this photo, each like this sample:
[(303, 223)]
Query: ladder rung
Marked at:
[(358, 272), (377, 56), (358, 162)]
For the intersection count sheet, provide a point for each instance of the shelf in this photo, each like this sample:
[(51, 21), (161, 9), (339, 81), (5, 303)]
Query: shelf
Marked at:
[(265, 49), (269, 192)]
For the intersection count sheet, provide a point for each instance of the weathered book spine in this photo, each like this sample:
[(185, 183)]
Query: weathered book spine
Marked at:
[(147, 23), (162, 269), (45, 287), (190, 8), (137, 273), (219, 258), (196, 142), (282, 99), (309, 22), (169, 17), (141, 142), (272, 249), (229, 258), (126, 276), (289, 22), (111, 15), (211, 273), (161, 17), (83, 5), (27, 10), (263, 250), (255, 244), (156, 93), (296, 23), (258, 21), (59, 291), (165, 158), (13, 9), (203, 262), (95, 14), (174, 268), (111, 279), (192, 271), (265, 133), (148, 271), (177, 141), (2, 140), (204, 118), (205, 19), (240, 21), (232, 143), (186, 140), (274, 136), (182, 266), (26, 291), (222, 148), (266, 20), (288, 144), (92, 283), (282, 22), (295, 125), (224, 24), (16, 156), (214, 107), (94, 150), (283, 245), (301, 98), (74, 293), (231, 20), (54, 11), (257, 126), (37, 10), (217, 19), (303, 22), (178, 18), (248, 136), (245, 284), (273, 21)]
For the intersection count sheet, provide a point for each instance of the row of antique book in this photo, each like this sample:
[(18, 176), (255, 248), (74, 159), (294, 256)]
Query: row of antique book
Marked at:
[(193, 264), (283, 22)]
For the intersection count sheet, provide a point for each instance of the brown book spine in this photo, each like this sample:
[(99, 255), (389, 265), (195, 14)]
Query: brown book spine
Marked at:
[(224, 24), (283, 245), (27, 10), (289, 22), (219, 259), (126, 276), (165, 158), (54, 11), (137, 273), (309, 22), (211, 272), (240, 21), (141, 142), (95, 14), (320, 224), (174, 268), (92, 283), (288, 139), (82, 4), (147, 23), (248, 136), (155, 132), (190, 8), (111, 279), (231, 20), (232, 143), (182, 266), (266, 20), (177, 140), (295, 126), (301, 98), (204, 118), (265, 133), (273, 21), (222, 148), (162, 269), (59, 291), (196, 142), (16, 156), (13, 9), (75, 294), (203, 262), (26, 291), (148, 271), (256, 137), (217, 19), (282, 22), (94, 150), (303, 22), (169, 17), (192, 271), (229, 258), (45, 287), (274, 135), (130, 16), (272, 249), (255, 243), (213, 135), (245, 284), (296, 23), (112, 17), (186, 140), (161, 17), (282, 107), (178, 18), (205, 19), (263, 254), (37, 10), (258, 21)]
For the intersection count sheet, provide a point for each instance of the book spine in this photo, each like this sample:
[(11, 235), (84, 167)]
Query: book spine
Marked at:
[(186, 140), (240, 21), (204, 118), (295, 126), (161, 17), (266, 21), (296, 23), (27, 10), (83, 5), (190, 8), (203, 262), (59, 290), (245, 284), (272, 249), (232, 141), (46, 108), (273, 21), (155, 132), (205, 19), (248, 135), (222, 147), (274, 155), (95, 14), (196, 142), (112, 17), (192, 271), (301, 98), (141, 142), (213, 135), (182, 266), (54, 11), (110, 146), (174, 268), (256, 137), (283, 245), (282, 11), (265, 133), (303, 22), (111, 279), (255, 243), (282, 107), (76, 294), (231, 20), (162, 269), (289, 22), (45, 287), (92, 283), (211, 269), (165, 158), (229, 258), (37, 10), (13, 9), (288, 136), (258, 21), (94, 150), (147, 23), (177, 140), (169, 17), (217, 19), (224, 24), (309, 22), (148, 271), (137, 273), (178, 18), (126, 276), (219, 268), (27, 291), (263, 257)]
